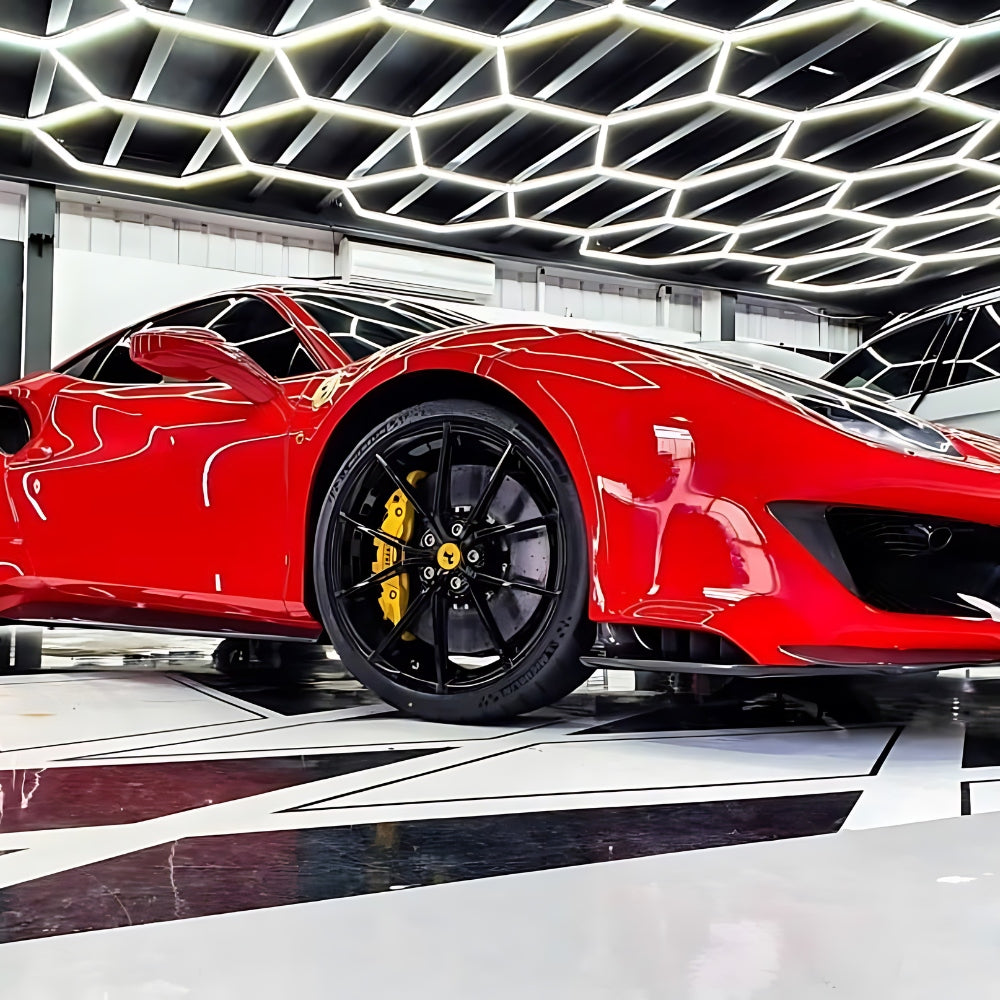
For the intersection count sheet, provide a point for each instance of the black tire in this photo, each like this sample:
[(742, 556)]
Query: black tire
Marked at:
[(516, 597), (233, 657), (245, 657)]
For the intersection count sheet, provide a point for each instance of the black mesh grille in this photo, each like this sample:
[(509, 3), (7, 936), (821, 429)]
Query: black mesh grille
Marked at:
[(916, 563)]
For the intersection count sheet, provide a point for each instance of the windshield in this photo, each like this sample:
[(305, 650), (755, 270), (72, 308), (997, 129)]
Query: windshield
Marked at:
[(360, 325)]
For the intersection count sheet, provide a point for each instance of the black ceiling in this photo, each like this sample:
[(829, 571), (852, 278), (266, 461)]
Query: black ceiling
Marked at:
[(809, 148)]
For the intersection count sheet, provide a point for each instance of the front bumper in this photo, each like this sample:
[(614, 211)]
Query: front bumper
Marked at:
[(685, 651), (741, 554)]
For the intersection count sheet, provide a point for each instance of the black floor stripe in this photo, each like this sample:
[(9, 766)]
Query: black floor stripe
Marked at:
[(886, 750), (135, 736), (206, 691), (58, 797), (982, 743), (290, 692), (334, 802), (682, 717), (225, 874)]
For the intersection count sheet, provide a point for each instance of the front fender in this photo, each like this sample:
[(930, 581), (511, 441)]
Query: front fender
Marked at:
[(660, 466), (598, 399)]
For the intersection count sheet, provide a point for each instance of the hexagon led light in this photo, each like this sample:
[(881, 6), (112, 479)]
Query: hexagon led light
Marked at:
[(826, 146)]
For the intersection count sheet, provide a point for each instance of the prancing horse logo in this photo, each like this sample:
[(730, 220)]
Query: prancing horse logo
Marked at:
[(449, 556)]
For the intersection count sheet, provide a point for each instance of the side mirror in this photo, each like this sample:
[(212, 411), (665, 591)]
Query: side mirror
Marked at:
[(192, 354)]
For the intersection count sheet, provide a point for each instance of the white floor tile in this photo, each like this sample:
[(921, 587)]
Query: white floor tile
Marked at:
[(42, 712), (616, 765)]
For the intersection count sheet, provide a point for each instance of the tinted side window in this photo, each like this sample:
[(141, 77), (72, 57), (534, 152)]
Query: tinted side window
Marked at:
[(411, 319), (201, 315), (83, 364), (858, 370), (117, 367), (361, 326), (898, 363), (912, 343), (260, 332), (975, 356), (357, 337), (355, 349), (900, 380)]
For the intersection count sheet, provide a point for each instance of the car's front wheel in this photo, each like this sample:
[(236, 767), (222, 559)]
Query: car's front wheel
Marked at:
[(450, 564)]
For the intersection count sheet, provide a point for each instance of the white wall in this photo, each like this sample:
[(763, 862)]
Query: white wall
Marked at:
[(117, 262), (611, 304), (794, 326), (96, 294), (495, 314), (11, 213), (601, 300), (630, 305), (114, 265)]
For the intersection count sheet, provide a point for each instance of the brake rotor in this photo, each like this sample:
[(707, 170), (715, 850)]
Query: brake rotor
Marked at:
[(526, 557)]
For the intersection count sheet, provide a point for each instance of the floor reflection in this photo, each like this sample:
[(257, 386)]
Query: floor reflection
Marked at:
[(291, 784), (54, 798), (223, 874)]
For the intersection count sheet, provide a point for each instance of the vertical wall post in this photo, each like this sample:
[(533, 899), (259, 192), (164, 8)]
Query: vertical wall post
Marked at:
[(727, 316), (36, 352), (11, 308), (11, 354), (6, 641), (823, 332), (540, 290), (39, 268), (711, 314), (663, 294), (718, 315)]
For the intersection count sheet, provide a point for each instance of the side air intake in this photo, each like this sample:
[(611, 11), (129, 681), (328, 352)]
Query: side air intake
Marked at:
[(15, 429)]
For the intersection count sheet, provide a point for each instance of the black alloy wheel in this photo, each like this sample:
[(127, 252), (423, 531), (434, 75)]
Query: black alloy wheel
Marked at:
[(451, 565)]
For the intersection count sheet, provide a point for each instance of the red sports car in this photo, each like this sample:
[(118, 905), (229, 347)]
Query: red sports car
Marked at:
[(476, 516)]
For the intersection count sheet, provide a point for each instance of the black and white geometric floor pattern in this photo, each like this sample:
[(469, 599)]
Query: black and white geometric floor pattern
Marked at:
[(131, 798)]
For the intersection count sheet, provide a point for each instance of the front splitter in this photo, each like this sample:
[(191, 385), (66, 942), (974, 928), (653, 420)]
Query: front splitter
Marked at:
[(763, 671)]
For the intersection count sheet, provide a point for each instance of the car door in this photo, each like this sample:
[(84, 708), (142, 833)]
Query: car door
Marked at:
[(167, 495)]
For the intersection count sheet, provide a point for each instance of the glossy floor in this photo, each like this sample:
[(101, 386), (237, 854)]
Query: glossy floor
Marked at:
[(169, 832)]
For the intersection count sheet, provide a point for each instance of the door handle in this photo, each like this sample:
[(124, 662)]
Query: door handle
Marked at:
[(38, 453)]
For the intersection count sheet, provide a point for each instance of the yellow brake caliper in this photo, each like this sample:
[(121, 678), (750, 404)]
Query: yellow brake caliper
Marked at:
[(399, 518)]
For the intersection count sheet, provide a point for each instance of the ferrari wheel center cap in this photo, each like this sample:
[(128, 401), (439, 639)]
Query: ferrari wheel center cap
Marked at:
[(449, 556)]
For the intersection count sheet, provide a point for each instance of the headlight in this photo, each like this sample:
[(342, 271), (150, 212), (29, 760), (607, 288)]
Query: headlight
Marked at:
[(860, 416), (880, 426)]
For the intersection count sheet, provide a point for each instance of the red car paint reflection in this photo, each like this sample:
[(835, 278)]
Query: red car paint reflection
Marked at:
[(191, 506)]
